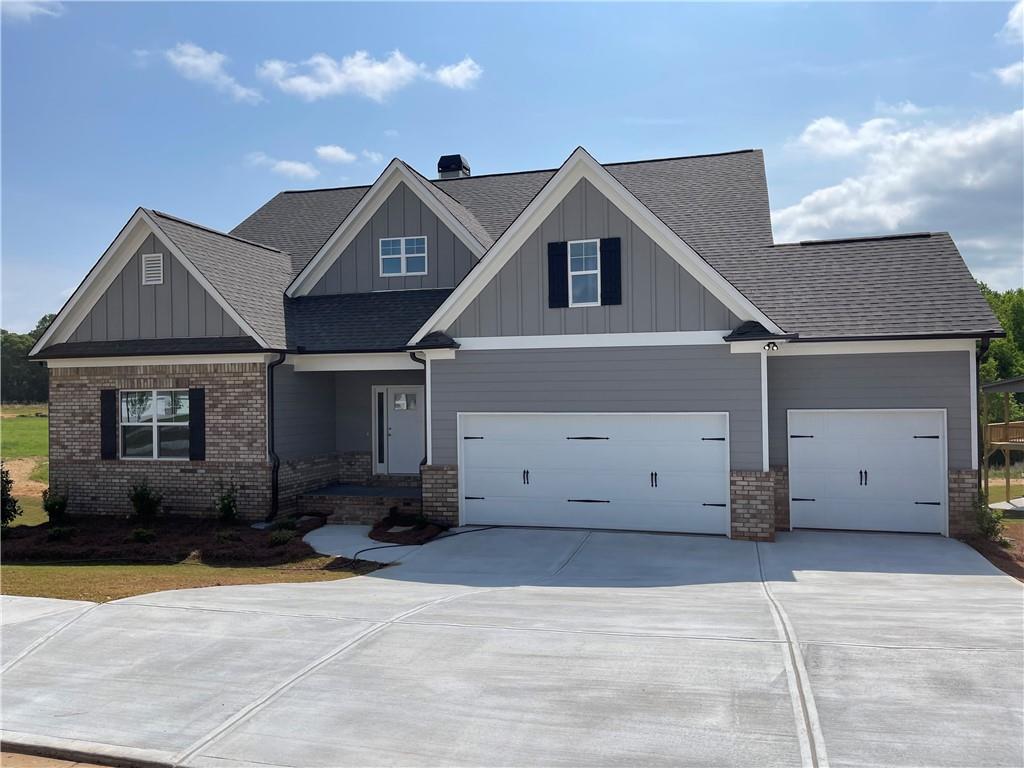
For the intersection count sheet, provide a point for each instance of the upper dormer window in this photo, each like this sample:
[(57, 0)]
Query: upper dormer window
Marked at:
[(401, 256), (152, 269), (584, 273)]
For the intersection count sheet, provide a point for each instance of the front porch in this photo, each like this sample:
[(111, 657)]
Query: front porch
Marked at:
[(356, 504)]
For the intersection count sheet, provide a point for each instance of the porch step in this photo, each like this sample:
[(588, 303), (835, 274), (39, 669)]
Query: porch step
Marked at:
[(359, 504)]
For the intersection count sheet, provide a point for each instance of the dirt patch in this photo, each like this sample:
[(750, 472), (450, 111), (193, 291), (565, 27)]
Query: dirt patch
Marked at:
[(20, 470)]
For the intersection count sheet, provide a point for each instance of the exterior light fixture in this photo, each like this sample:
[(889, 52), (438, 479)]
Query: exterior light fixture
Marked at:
[(771, 346)]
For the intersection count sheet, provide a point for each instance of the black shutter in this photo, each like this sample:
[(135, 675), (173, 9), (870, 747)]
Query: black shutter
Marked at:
[(558, 274), (108, 423), (611, 271), (197, 424)]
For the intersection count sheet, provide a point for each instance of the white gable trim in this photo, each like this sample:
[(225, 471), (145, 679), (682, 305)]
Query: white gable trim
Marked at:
[(396, 173), (140, 226), (582, 165)]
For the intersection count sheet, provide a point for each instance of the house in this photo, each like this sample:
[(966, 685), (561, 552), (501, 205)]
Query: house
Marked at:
[(615, 346)]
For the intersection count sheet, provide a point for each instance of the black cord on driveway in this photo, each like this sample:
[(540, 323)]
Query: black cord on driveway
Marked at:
[(422, 543)]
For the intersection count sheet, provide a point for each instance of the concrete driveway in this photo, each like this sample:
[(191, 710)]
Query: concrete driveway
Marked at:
[(545, 647)]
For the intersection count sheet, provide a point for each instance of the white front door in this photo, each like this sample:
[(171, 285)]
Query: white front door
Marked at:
[(398, 418), (868, 470), (649, 472)]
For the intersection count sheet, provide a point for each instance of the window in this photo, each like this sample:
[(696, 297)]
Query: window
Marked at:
[(585, 273), (152, 269), (154, 424), (400, 256)]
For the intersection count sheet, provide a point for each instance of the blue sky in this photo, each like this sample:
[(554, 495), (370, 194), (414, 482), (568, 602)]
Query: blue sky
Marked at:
[(873, 117)]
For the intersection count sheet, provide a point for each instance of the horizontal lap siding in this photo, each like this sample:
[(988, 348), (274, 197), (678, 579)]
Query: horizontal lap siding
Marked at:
[(615, 379), (892, 380)]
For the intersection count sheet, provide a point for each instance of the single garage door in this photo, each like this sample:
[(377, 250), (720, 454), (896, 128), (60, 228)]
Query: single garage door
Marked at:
[(646, 472), (868, 470)]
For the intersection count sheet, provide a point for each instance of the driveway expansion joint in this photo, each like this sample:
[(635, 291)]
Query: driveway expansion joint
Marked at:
[(47, 637)]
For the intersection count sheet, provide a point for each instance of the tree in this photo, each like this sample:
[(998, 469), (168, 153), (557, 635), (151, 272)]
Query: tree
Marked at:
[(1005, 358), (22, 380)]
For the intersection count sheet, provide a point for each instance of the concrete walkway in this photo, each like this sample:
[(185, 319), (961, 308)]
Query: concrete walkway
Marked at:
[(547, 647)]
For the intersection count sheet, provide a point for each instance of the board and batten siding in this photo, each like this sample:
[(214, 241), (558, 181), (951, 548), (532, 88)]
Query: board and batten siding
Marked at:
[(891, 380), (596, 380), (178, 308), (403, 214), (304, 413), (657, 294)]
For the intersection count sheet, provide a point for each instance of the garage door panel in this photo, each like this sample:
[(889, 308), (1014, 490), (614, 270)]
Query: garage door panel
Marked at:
[(868, 470), (597, 470)]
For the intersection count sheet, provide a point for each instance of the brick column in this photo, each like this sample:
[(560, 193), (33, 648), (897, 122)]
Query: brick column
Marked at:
[(963, 499), (753, 505), (780, 477), (441, 492)]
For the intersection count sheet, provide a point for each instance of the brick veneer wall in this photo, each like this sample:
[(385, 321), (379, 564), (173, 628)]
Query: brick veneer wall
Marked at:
[(780, 478), (963, 497), (441, 492), (356, 510), (752, 495), (297, 476), (235, 440)]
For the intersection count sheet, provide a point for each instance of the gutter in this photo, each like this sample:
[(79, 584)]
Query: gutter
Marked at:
[(275, 460)]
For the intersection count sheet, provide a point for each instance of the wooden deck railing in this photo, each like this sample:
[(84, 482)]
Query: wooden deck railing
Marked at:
[(1012, 432)]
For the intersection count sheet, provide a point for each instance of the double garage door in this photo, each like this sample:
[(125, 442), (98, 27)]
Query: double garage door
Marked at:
[(868, 470), (648, 472)]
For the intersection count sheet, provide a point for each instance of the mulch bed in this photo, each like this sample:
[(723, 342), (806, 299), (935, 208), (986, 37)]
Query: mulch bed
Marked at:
[(1010, 560), (174, 539), (399, 528)]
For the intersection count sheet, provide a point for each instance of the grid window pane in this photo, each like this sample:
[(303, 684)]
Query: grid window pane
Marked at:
[(590, 248), (173, 442), (136, 407), (415, 263), (577, 263), (391, 265), (584, 289), (576, 250), (172, 406), (390, 247), (137, 442), (415, 245)]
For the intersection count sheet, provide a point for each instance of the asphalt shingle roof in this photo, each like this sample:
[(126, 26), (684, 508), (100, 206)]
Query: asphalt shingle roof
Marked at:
[(360, 322)]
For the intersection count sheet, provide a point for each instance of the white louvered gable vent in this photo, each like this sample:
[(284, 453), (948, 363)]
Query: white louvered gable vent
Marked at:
[(152, 269)]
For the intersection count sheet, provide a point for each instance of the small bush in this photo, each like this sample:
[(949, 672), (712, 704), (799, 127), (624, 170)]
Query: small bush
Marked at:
[(224, 537), (145, 502), (284, 524), (143, 535), (59, 533), (11, 507), (56, 506), (280, 538), (990, 521), (225, 504)]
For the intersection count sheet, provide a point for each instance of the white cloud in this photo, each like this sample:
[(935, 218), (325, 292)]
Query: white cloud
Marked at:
[(291, 168), (26, 10), (1013, 29), (461, 76), (332, 153), (202, 66), (322, 76), (374, 157), (1011, 75), (904, 108), (964, 178)]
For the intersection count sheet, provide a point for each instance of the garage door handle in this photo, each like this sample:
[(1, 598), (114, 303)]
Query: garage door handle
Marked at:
[(865, 477), (526, 477), (860, 475)]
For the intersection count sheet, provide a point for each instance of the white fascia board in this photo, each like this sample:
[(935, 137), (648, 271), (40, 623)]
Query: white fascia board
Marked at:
[(791, 349), (132, 235), (201, 279), (578, 166), (358, 217), (370, 361), (138, 360), (572, 340)]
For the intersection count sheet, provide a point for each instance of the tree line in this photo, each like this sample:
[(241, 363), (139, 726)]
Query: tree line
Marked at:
[(21, 380)]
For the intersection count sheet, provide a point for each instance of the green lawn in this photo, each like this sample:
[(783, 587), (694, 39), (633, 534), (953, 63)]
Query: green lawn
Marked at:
[(31, 511), (23, 435), (997, 491)]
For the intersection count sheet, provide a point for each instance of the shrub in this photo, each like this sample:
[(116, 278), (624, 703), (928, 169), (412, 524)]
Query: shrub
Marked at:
[(225, 504), (59, 533), (284, 524), (11, 508), (280, 538), (990, 521), (143, 535), (145, 502), (56, 506)]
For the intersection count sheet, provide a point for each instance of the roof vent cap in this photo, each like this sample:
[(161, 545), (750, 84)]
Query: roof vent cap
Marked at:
[(452, 167)]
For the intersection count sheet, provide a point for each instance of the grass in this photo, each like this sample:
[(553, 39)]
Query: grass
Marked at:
[(31, 511), (41, 474), (997, 491), (101, 582), (23, 434)]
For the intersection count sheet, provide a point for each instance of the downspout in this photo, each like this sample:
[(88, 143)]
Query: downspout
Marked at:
[(275, 461), (978, 359), (426, 383)]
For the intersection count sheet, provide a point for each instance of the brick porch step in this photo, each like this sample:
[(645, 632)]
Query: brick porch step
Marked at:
[(359, 504)]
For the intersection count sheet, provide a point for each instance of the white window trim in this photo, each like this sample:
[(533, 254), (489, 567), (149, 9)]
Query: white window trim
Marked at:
[(152, 422), (571, 273), (403, 255), (145, 260)]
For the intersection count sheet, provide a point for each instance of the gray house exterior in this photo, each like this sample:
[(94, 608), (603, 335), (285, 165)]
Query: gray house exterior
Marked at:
[(606, 346)]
